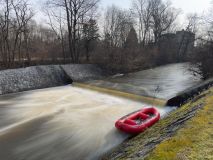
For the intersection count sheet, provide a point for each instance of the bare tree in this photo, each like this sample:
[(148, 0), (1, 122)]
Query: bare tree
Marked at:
[(14, 29), (117, 25), (142, 9), (57, 22), (76, 11), (193, 22), (5, 23), (163, 16), (23, 15), (203, 55)]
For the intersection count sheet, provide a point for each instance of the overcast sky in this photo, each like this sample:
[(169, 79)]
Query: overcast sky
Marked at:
[(187, 6)]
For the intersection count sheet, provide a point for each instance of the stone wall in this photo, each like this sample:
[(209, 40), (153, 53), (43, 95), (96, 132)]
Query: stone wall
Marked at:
[(37, 77)]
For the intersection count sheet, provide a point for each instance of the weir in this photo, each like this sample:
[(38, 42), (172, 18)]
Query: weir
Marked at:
[(149, 100), (77, 121), (62, 123)]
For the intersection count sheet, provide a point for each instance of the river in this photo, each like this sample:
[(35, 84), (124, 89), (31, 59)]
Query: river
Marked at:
[(161, 82), (73, 123)]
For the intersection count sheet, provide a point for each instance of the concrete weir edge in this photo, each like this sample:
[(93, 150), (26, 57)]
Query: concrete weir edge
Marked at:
[(187, 95)]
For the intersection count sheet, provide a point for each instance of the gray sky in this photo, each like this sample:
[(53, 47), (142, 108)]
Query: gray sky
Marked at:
[(187, 6)]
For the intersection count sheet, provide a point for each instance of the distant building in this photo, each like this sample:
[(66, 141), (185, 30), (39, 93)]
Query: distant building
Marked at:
[(178, 46)]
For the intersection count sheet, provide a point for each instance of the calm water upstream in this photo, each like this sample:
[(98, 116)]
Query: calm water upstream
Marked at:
[(161, 82), (72, 123)]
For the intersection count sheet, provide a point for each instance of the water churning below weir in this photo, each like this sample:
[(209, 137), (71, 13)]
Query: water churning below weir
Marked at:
[(61, 123), (71, 123)]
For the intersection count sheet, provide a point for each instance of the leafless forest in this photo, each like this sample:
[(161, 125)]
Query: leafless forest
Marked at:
[(77, 31)]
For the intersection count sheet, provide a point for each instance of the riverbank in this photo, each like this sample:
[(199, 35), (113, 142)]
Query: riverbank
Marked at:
[(185, 134), (194, 141)]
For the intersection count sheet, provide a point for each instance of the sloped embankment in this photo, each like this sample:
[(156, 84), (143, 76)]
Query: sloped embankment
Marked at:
[(192, 117), (37, 77), (194, 141)]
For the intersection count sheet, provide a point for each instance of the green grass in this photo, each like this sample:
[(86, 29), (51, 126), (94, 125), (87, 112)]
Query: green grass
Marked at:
[(194, 141)]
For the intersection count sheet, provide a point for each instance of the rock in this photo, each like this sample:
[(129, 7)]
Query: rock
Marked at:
[(37, 77), (79, 72)]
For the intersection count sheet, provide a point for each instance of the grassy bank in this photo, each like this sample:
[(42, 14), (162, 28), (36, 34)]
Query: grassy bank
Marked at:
[(194, 141), (186, 133)]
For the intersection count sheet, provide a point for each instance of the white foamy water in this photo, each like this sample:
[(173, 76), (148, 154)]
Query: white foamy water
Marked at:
[(62, 123)]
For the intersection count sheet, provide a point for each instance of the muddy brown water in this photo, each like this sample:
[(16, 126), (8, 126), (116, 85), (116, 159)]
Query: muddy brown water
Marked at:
[(61, 123), (73, 123)]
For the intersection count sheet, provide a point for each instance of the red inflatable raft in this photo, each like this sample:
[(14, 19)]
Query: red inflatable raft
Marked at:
[(137, 122)]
